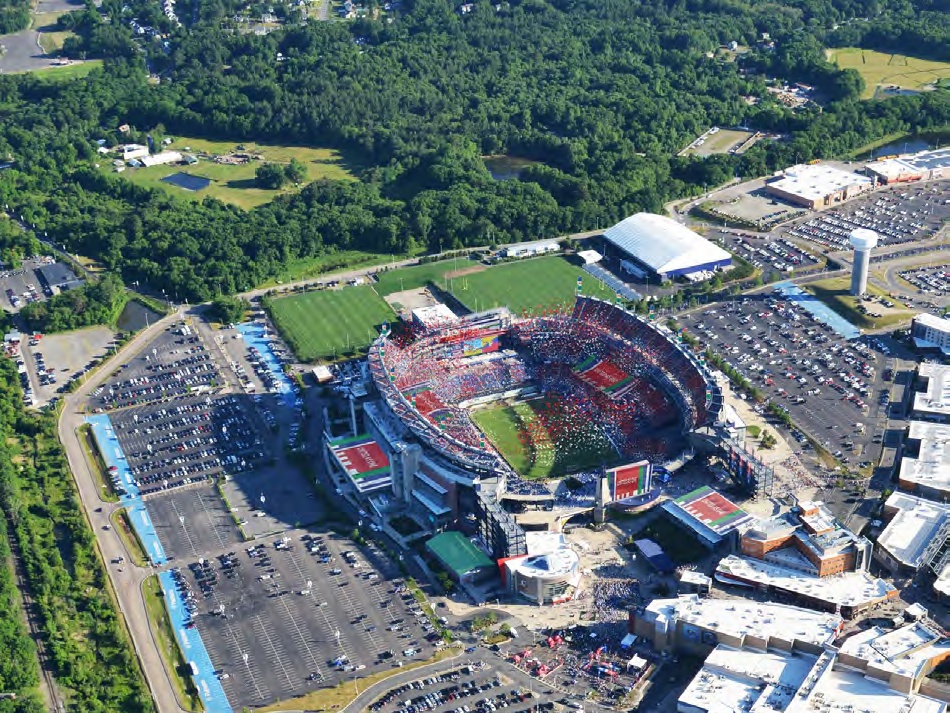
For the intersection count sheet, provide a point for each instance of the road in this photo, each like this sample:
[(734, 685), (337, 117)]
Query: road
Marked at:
[(127, 581)]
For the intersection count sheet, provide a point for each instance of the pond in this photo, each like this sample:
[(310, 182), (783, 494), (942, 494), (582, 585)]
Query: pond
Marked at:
[(909, 144), (136, 316), (506, 168)]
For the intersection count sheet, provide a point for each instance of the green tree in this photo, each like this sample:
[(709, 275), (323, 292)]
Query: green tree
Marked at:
[(270, 176), (226, 309), (295, 171)]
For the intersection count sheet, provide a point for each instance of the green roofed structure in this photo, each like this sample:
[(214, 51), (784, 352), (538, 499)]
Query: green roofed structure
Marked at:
[(463, 561)]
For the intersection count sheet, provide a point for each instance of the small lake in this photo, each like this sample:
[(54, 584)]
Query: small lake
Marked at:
[(136, 316), (910, 144), (507, 168)]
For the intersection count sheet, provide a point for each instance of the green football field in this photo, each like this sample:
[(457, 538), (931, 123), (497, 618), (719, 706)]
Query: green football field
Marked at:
[(519, 433), (330, 323), (531, 285)]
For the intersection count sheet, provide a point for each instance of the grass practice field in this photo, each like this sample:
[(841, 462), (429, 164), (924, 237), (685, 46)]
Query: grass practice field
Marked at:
[(530, 285), (235, 183), (539, 440), (330, 323), (881, 70)]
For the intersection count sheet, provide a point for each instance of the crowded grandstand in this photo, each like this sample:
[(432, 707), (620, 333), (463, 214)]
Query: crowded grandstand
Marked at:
[(597, 366)]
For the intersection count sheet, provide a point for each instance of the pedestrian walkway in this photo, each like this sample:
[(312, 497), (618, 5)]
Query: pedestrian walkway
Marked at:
[(256, 336), (119, 467), (795, 294), (193, 649)]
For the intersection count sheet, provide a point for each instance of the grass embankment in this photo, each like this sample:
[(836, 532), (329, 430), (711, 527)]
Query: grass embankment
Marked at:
[(66, 72), (133, 545), (341, 695), (328, 324), (235, 183), (881, 70), (834, 292), (325, 266), (172, 657), (97, 466)]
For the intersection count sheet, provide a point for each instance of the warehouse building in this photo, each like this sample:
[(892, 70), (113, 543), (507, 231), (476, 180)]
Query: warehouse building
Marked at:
[(923, 166), (649, 244), (816, 186), (916, 538)]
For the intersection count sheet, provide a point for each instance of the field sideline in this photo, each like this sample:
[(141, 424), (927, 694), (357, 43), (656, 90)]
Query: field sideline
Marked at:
[(329, 324)]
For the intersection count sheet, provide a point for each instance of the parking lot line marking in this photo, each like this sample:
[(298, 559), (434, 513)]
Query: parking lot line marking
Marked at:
[(299, 635), (272, 651), (214, 526)]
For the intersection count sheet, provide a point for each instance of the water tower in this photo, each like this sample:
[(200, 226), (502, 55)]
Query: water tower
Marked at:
[(863, 241)]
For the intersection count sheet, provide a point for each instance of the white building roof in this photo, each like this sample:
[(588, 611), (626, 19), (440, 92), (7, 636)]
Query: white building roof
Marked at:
[(741, 617), (842, 689), (904, 650), (931, 469), (162, 158), (936, 399), (663, 244), (434, 315), (590, 256), (814, 182), (746, 680), (911, 530), (845, 589), (548, 555), (932, 320)]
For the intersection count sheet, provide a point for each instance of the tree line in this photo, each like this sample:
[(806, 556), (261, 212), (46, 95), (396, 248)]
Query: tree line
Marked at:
[(89, 650), (95, 302), (602, 94)]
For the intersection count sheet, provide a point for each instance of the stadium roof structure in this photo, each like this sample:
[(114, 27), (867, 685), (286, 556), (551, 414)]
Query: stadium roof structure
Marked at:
[(363, 461), (458, 553), (663, 245), (709, 514), (433, 316)]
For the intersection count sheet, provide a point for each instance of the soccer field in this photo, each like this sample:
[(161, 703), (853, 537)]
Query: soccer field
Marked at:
[(330, 323), (538, 441), (531, 285)]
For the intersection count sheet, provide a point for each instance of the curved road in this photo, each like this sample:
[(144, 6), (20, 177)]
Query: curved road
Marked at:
[(126, 583)]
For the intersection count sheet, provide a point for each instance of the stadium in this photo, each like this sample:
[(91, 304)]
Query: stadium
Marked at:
[(533, 397)]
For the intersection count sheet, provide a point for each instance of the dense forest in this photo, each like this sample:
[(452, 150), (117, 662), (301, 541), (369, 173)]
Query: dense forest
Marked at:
[(14, 15), (602, 93)]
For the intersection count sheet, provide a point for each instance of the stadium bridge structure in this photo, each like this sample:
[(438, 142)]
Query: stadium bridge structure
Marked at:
[(602, 363)]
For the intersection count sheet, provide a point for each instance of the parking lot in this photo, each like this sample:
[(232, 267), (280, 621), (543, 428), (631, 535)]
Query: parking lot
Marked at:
[(56, 359), (176, 364), (779, 254), (301, 611), (189, 440), (898, 214), (193, 522), (465, 689), (27, 284), (828, 384), (930, 280)]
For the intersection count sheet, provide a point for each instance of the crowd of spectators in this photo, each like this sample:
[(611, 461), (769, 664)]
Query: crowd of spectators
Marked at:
[(427, 376)]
